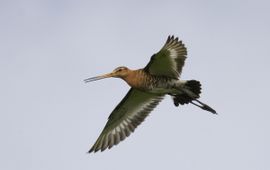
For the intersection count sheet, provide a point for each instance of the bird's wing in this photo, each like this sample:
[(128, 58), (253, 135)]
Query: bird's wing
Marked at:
[(127, 115), (169, 60)]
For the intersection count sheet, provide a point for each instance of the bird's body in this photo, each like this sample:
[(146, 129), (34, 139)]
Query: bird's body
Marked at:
[(144, 81), (148, 87)]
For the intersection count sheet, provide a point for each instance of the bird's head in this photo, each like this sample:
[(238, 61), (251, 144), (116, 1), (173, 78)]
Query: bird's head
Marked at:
[(119, 72)]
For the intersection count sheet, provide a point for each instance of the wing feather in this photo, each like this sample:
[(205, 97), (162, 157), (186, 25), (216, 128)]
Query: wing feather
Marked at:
[(170, 60), (127, 115)]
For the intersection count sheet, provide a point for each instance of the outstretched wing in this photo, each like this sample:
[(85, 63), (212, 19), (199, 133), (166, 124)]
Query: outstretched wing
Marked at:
[(127, 115), (169, 60)]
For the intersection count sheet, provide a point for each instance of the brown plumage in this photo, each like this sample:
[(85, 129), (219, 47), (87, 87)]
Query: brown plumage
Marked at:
[(148, 87)]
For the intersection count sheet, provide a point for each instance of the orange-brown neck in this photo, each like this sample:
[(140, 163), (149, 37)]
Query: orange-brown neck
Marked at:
[(135, 78)]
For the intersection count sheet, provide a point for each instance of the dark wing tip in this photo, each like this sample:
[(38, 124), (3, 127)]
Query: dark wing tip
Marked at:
[(94, 150), (171, 40), (91, 150), (170, 37), (97, 147)]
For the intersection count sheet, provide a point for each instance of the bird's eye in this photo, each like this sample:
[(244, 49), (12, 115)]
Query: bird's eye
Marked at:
[(120, 69)]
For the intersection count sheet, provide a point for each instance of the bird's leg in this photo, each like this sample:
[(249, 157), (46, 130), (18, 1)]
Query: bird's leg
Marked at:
[(193, 98), (203, 106)]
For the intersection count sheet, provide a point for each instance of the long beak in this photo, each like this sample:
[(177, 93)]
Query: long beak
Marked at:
[(98, 77)]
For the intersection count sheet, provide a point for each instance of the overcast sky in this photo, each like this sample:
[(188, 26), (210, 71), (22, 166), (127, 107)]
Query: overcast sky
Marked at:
[(49, 118)]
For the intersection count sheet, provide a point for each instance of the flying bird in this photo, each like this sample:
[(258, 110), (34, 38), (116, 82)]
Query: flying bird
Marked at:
[(148, 85)]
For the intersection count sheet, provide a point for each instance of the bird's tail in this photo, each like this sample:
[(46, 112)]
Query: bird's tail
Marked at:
[(191, 93)]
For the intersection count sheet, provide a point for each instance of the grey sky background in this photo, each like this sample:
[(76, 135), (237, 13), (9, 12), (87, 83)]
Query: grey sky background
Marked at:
[(49, 118)]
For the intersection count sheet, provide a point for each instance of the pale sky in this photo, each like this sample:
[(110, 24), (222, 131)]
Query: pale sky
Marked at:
[(49, 118)]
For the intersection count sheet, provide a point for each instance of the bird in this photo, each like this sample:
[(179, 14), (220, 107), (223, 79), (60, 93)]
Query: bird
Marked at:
[(149, 85)]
